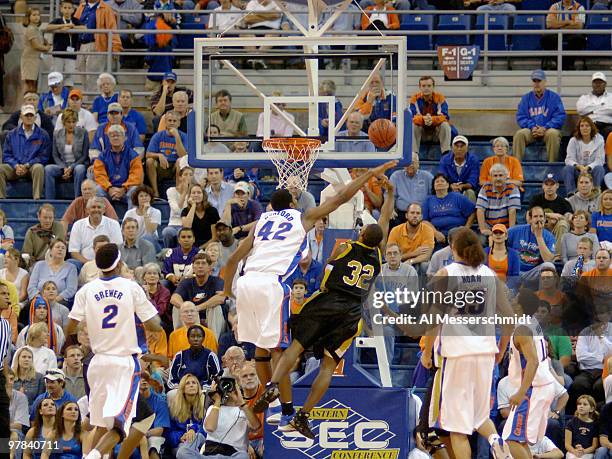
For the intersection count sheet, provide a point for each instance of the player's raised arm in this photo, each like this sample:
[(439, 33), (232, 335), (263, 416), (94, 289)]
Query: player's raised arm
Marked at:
[(153, 324), (386, 211), (232, 262), (344, 195)]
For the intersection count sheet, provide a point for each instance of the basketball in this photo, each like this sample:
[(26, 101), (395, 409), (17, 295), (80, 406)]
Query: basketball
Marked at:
[(382, 133)]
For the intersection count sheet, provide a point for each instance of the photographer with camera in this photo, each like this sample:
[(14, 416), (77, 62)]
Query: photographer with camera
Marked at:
[(227, 423)]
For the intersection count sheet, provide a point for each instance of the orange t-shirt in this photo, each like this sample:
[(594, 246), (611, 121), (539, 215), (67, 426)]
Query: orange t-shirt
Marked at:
[(259, 433), (555, 299), (513, 164), (157, 346), (499, 266), (178, 341), (423, 237)]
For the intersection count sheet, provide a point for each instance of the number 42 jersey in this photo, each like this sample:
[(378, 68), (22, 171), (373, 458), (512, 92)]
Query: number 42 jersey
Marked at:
[(113, 309), (280, 243)]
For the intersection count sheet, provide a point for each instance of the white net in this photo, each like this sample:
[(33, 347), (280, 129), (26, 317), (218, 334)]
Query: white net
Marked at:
[(293, 159)]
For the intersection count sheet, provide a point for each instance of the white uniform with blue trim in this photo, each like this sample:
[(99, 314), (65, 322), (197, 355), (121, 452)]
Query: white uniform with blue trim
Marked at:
[(114, 310), (262, 297), (527, 422)]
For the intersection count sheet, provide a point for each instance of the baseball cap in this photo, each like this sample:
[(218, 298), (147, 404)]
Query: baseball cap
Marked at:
[(460, 138), (55, 375), (242, 186), (599, 76), (222, 223), (28, 109), (115, 107), (170, 76), (499, 227), (550, 178), (54, 78), (538, 74), (75, 92)]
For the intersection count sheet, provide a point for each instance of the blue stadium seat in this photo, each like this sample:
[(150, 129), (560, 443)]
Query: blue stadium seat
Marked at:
[(418, 22), (597, 42), (528, 22), (496, 22), (527, 5), (186, 41), (453, 22)]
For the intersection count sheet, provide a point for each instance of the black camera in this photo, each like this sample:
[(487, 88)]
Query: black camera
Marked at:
[(225, 386)]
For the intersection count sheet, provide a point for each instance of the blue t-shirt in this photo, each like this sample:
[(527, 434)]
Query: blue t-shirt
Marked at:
[(136, 118), (603, 226), (522, 239), (88, 18), (67, 397), (100, 106), (164, 143), (312, 277), (189, 290), (159, 406), (448, 212)]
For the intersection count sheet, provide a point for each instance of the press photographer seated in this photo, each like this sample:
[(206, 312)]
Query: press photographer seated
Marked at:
[(227, 423)]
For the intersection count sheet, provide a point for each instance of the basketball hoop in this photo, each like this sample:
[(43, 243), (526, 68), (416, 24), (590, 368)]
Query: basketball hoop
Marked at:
[(293, 158)]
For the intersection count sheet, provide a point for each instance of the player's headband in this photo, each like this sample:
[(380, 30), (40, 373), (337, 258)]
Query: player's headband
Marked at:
[(115, 263)]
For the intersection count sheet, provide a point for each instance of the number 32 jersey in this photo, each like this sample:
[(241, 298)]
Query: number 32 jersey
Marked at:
[(280, 243), (114, 309)]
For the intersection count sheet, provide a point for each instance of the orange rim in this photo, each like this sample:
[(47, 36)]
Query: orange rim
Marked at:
[(295, 147)]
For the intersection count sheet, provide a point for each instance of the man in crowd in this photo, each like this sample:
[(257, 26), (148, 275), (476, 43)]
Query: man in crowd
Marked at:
[(564, 15), (131, 115), (41, 119), (54, 101), (118, 170), (412, 185), (228, 242), (164, 150), (430, 117), (232, 123), (73, 366), (311, 271), (462, 168), (217, 189), (101, 140), (85, 230), (135, 251), (415, 238), (18, 409), (78, 208), (177, 341), (55, 383), (158, 404), (354, 126), (39, 236), (498, 201), (230, 337), (86, 120), (180, 105), (251, 390), (161, 100), (597, 105), (178, 261), (303, 199), (532, 241), (557, 208), (26, 150), (540, 116), (242, 211)]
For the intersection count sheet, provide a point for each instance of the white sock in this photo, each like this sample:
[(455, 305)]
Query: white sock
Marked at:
[(275, 403), (493, 438), (94, 454)]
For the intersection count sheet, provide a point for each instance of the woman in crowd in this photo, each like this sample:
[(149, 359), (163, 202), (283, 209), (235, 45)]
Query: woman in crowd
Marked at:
[(602, 219), (148, 217), (587, 197), (12, 272), (41, 311), (66, 438), (106, 85), (213, 249), (504, 260), (197, 361), (27, 379), (55, 268), (34, 45), (446, 210), (501, 148), (59, 311), (186, 413), (581, 431), (585, 154), (70, 153), (199, 215), (42, 428), (177, 199), (580, 226), (157, 294)]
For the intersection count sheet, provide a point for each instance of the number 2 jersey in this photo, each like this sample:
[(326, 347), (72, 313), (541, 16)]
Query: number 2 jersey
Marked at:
[(114, 309), (352, 271), (517, 362), (280, 243)]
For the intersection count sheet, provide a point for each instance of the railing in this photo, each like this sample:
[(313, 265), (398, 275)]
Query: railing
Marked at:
[(486, 54)]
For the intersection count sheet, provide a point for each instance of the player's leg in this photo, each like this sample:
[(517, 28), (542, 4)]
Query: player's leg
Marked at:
[(519, 450), (461, 445), (262, 365), (284, 383), (103, 442)]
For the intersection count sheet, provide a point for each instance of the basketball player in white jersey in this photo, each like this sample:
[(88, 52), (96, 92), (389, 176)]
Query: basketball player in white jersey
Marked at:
[(465, 354), (116, 311), (529, 372), (273, 250)]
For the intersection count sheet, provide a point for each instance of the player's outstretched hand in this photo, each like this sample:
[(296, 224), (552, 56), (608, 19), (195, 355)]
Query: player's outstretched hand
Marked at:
[(386, 184), (380, 170)]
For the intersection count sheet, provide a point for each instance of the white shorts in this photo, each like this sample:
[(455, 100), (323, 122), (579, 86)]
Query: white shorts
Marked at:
[(114, 382), (527, 422), (461, 393), (262, 304)]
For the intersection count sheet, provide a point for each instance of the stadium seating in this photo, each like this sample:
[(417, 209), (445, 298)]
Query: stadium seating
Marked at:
[(495, 22), (454, 22), (599, 42), (528, 22), (418, 22)]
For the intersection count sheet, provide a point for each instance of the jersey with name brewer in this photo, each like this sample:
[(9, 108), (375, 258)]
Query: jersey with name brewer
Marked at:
[(113, 309), (280, 243)]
